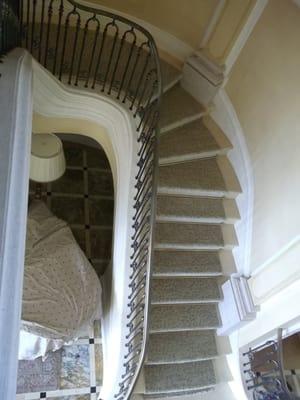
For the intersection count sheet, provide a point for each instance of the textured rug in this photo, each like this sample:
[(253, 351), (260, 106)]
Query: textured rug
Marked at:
[(38, 375)]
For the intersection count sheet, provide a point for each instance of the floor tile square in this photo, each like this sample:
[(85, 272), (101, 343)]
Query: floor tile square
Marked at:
[(99, 364), (97, 329), (101, 240), (97, 158), (100, 183), (101, 211), (69, 209), (39, 376), (73, 154), (70, 182), (75, 369)]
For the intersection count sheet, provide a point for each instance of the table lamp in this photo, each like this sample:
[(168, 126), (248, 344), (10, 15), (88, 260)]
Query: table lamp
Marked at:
[(47, 161)]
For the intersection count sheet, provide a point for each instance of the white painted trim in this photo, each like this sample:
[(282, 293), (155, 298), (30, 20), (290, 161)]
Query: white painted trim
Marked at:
[(280, 271), (212, 23), (275, 256), (237, 307), (164, 40), (225, 116), (15, 138), (248, 27), (117, 136)]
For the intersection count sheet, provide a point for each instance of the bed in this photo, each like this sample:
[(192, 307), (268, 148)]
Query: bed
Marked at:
[(61, 290)]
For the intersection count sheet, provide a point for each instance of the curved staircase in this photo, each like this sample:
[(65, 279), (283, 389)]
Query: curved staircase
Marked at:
[(196, 209), (194, 235)]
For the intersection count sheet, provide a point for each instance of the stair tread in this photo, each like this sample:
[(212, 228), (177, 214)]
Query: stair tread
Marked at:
[(189, 234), (192, 207), (181, 346), (202, 174), (180, 317), (177, 105), (185, 290), (186, 262), (179, 377), (169, 73), (189, 139)]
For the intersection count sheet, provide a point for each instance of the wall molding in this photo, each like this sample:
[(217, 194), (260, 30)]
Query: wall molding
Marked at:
[(15, 140), (280, 271), (225, 116), (237, 307), (213, 23), (248, 27)]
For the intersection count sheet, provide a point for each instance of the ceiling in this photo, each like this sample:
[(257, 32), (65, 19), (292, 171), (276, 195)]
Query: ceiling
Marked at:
[(185, 19)]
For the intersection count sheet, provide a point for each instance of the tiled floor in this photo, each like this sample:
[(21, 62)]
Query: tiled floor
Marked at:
[(80, 372), (84, 198)]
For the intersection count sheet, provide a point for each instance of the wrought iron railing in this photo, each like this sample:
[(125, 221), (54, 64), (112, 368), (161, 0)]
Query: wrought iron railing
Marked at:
[(9, 25), (264, 372), (98, 50)]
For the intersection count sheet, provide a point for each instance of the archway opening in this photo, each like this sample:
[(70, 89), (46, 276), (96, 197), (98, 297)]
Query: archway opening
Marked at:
[(83, 198)]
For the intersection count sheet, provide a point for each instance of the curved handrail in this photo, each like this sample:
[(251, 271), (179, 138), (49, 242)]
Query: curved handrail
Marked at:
[(100, 50)]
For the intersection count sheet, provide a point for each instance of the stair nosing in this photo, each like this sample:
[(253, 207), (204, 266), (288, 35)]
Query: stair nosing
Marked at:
[(182, 122), (192, 220), (187, 275), (205, 328), (172, 83), (193, 247), (175, 302), (147, 392), (169, 191), (183, 361), (192, 156)]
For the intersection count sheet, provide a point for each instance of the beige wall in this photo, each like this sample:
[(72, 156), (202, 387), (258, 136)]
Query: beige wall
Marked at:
[(187, 20), (264, 88), (184, 19)]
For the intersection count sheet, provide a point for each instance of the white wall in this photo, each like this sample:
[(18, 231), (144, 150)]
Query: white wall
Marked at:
[(264, 88)]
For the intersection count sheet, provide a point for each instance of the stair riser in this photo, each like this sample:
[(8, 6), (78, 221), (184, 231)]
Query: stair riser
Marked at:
[(192, 156)]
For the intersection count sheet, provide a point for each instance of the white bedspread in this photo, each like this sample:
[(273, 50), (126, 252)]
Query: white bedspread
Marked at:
[(61, 293)]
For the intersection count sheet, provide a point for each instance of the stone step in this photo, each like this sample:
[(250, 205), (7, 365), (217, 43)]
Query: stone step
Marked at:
[(178, 108), (186, 263), (175, 347), (185, 290), (184, 317), (179, 377), (190, 141), (209, 177), (196, 209), (194, 236)]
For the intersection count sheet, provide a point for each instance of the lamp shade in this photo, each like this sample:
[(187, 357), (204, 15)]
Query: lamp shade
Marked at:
[(47, 161)]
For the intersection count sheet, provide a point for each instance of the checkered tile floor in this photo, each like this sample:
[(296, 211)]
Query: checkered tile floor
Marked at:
[(80, 372), (83, 197)]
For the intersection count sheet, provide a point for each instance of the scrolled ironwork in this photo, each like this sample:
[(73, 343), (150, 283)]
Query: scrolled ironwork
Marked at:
[(264, 372), (95, 49)]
